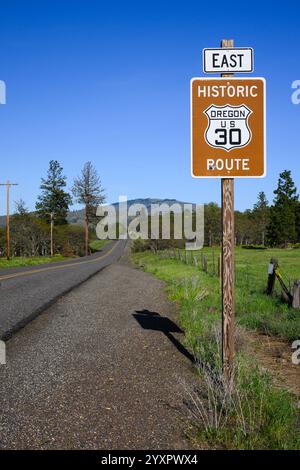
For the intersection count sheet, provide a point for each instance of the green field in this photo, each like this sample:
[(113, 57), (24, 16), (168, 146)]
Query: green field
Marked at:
[(256, 414), (254, 308)]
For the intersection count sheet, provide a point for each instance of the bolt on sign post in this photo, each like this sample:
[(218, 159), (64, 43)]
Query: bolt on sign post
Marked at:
[(227, 142)]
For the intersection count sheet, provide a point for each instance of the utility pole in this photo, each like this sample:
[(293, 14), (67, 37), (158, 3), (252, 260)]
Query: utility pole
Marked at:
[(8, 185), (51, 233), (86, 231)]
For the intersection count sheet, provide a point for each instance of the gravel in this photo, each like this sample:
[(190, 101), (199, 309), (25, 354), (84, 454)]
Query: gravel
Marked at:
[(102, 368)]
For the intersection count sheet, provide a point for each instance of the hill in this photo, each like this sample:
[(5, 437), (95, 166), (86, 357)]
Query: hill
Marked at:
[(77, 216)]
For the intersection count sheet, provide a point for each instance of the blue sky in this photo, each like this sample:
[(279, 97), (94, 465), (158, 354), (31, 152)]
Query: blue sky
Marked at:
[(109, 82)]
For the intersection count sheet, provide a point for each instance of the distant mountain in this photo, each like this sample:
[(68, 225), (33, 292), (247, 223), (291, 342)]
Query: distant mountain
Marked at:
[(77, 216)]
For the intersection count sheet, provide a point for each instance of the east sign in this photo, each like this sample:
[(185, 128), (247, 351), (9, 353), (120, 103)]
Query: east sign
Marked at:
[(228, 127), (228, 60)]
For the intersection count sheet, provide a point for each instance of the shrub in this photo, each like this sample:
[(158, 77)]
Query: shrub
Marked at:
[(140, 245), (69, 239)]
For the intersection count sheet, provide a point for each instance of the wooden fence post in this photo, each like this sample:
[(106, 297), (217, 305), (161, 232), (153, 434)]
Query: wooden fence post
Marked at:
[(271, 275), (296, 294), (205, 264)]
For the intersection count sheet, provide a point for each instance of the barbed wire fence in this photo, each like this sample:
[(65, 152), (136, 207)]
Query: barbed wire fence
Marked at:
[(208, 263)]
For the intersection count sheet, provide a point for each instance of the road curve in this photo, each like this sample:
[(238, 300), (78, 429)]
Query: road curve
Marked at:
[(26, 292)]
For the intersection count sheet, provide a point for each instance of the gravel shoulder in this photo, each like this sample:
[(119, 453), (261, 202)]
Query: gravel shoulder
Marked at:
[(102, 368)]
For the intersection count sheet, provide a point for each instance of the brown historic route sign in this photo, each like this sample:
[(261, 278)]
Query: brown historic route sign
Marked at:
[(228, 127)]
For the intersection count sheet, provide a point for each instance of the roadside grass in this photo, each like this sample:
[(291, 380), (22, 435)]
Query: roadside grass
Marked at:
[(256, 414), (254, 309), (96, 245), (18, 262), (21, 261)]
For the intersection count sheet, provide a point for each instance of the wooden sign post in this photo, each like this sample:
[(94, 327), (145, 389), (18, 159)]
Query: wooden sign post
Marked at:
[(227, 142), (228, 310)]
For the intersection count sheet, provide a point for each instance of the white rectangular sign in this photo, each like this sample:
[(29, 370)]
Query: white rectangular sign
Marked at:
[(229, 60)]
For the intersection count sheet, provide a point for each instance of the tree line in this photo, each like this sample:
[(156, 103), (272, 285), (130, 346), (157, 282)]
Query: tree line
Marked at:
[(265, 225), (273, 225), (46, 231)]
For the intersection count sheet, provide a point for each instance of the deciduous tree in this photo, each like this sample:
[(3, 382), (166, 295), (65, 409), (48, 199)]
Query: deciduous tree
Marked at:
[(88, 190)]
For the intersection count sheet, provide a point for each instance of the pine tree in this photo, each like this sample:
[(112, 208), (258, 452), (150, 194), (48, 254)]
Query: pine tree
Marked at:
[(53, 203), (88, 191), (261, 215), (282, 226), (212, 223), (243, 227), (298, 222)]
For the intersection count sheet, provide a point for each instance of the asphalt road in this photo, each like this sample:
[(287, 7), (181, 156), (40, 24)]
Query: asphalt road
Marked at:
[(25, 292), (102, 368)]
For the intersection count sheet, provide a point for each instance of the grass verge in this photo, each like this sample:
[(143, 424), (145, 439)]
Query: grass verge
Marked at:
[(21, 261), (18, 262), (96, 245), (255, 414), (254, 309)]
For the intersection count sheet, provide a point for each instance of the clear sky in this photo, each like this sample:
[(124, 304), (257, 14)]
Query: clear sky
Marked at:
[(109, 82)]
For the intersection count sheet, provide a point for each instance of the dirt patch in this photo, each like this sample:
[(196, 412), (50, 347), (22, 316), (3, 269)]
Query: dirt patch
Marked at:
[(275, 356)]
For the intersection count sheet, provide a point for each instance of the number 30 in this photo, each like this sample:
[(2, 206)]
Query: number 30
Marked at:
[(232, 135)]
